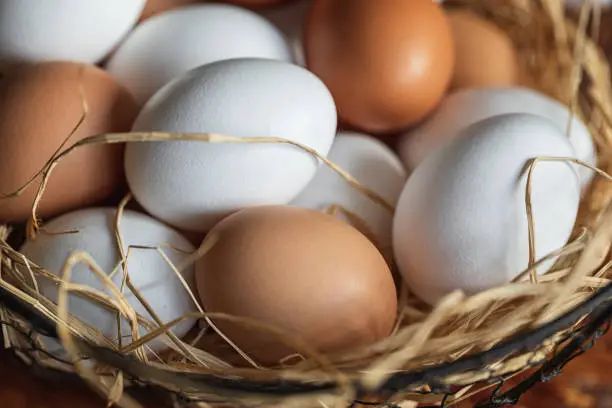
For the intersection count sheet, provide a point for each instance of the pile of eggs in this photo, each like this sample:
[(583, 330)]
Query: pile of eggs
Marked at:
[(296, 246)]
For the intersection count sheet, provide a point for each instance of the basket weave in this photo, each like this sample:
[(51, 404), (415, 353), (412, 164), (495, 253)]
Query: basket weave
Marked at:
[(441, 356)]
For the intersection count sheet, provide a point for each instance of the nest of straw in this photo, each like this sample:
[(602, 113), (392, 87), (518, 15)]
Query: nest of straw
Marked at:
[(559, 56)]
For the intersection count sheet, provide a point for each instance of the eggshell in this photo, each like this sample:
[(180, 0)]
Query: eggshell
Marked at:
[(192, 185), (299, 270), (461, 221), (40, 105), (376, 167), (74, 30), (463, 108), (387, 63), (484, 54), (172, 43), (290, 19), (148, 271), (154, 7)]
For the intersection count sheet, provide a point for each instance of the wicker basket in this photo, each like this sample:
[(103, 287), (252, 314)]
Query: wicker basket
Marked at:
[(464, 346)]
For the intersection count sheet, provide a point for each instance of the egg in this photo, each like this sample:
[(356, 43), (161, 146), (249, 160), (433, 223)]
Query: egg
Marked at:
[(301, 271), (174, 42), (290, 19), (40, 104), (484, 54), (154, 7), (376, 167), (461, 221), (93, 231), (74, 30), (463, 108), (387, 63), (191, 184)]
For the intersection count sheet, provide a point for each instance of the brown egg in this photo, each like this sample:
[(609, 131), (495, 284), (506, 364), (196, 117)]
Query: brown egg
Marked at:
[(484, 54), (39, 106), (159, 6), (300, 270), (386, 62)]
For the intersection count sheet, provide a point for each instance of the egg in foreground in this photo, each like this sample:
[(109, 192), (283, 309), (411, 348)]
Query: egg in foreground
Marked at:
[(461, 221), (93, 231), (192, 184), (299, 270)]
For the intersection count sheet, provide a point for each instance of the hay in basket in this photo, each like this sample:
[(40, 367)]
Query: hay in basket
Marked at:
[(438, 357)]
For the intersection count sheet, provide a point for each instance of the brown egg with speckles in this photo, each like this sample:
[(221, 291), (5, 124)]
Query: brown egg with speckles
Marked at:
[(387, 62), (40, 105), (484, 54), (299, 270)]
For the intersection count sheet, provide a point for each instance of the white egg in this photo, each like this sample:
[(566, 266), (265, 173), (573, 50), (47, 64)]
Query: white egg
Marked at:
[(290, 19), (375, 166), (193, 184), (461, 221), (466, 107), (148, 271), (169, 44), (74, 30)]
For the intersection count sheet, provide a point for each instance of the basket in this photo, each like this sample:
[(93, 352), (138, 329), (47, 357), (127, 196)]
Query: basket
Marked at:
[(465, 347)]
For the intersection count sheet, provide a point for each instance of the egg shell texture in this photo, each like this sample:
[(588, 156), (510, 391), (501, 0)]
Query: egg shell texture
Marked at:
[(387, 63), (299, 270), (172, 43), (194, 184), (463, 108), (74, 30), (461, 221), (148, 271), (40, 105), (374, 166)]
